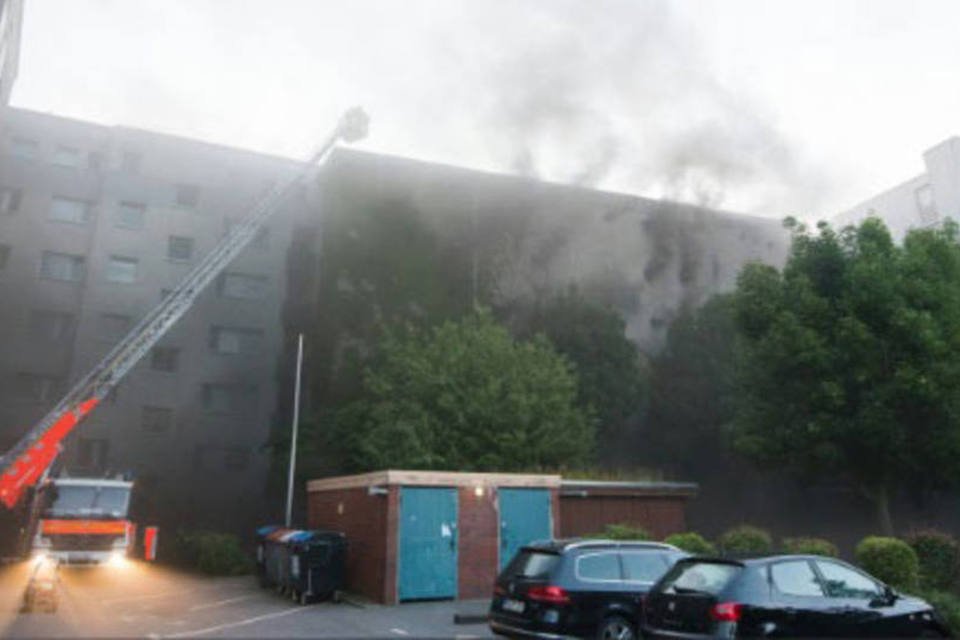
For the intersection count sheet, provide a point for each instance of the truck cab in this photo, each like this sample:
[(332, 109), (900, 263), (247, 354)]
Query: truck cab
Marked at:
[(84, 521)]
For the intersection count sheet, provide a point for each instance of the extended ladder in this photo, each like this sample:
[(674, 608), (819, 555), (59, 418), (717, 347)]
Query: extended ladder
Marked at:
[(27, 461)]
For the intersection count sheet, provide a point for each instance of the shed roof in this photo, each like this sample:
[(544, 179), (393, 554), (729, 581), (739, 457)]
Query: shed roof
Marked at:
[(435, 479), (625, 488)]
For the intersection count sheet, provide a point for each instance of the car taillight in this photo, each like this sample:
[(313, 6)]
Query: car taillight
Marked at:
[(726, 611), (499, 590), (549, 594)]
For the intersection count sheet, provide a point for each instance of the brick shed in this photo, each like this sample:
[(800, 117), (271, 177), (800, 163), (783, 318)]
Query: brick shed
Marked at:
[(417, 535), (586, 506)]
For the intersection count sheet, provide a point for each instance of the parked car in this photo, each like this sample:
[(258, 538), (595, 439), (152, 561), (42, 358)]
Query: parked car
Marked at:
[(583, 588), (783, 597)]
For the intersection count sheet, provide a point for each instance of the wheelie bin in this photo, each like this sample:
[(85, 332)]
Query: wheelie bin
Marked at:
[(316, 565)]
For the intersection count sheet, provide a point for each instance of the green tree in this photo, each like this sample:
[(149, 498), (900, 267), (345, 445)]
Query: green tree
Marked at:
[(850, 360), (465, 395), (593, 337)]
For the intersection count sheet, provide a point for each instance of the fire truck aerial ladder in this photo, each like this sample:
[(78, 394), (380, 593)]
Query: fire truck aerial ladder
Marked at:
[(27, 463)]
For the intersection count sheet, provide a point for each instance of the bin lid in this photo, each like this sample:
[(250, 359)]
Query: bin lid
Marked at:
[(266, 530)]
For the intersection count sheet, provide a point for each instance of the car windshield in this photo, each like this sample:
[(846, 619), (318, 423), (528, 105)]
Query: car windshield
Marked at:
[(83, 501), (699, 577), (531, 564)]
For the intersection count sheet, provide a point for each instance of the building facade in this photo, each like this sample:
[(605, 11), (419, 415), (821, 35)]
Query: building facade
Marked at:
[(11, 18), (925, 200), (96, 225)]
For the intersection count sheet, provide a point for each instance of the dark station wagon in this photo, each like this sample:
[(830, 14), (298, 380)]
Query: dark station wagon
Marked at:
[(577, 588), (781, 597)]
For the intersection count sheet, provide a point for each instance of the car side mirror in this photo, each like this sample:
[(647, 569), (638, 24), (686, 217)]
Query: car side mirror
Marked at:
[(886, 599)]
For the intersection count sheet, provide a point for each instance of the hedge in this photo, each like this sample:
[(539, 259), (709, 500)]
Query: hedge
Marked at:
[(624, 532), (939, 556), (209, 552), (810, 546), (891, 560), (691, 542), (745, 540)]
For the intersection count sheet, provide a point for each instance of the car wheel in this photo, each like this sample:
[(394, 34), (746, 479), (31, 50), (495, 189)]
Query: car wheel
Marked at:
[(616, 628)]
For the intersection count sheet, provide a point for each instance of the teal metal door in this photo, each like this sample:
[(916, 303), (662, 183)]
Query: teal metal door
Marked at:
[(427, 556), (524, 517)]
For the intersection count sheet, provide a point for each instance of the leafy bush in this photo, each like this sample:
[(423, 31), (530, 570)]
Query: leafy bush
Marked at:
[(939, 556), (218, 554), (947, 605), (745, 540), (625, 532), (810, 546), (691, 542), (891, 560)]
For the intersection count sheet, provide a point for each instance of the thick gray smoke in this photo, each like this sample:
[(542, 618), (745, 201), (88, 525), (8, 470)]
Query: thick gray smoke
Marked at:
[(616, 95)]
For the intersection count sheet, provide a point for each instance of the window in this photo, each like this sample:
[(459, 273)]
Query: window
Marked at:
[(179, 248), (24, 148), (67, 157), (925, 204), (156, 419), (228, 398), (122, 269), (130, 162), (92, 453), (843, 582), (4, 255), (708, 577), (35, 387), (644, 567), (188, 195), (532, 564), (69, 210), (229, 340), (262, 239), (235, 459), (243, 286), (62, 266), (164, 359), (10, 200), (796, 579), (599, 566), (114, 326), (53, 326), (130, 215)]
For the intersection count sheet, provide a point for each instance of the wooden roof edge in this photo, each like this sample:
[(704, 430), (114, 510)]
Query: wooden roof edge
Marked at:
[(435, 479)]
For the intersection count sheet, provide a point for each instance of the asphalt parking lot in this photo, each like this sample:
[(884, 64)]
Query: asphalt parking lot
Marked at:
[(149, 601)]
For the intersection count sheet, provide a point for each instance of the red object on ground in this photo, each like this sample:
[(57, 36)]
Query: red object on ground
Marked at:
[(150, 543), (29, 467)]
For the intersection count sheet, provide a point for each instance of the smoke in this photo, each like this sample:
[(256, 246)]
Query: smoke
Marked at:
[(618, 95)]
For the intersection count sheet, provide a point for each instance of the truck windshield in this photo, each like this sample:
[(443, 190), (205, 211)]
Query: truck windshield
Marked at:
[(85, 501)]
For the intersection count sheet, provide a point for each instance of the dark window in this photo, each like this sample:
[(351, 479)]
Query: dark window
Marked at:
[(69, 210), (232, 340), (130, 162), (4, 255), (188, 195), (92, 453), (164, 359), (121, 269), (179, 248), (243, 286), (10, 199), (795, 579), (236, 459), (114, 326), (843, 582), (644, 566), (53, 326), (532, 564), (130, 215), (599, 566), (156, 419), (61, 266)]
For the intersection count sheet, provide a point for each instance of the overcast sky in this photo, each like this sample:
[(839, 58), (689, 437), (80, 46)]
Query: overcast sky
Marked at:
[(768, 107)]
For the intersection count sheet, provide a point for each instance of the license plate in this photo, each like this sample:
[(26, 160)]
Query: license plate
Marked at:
[(514, 606)]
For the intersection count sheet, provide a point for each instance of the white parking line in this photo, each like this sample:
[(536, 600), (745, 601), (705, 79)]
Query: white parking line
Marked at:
[(219, 603), (152, 596), (400, 632), (230, 625)]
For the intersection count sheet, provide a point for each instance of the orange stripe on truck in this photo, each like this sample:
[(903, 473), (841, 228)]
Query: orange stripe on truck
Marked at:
[(84, 527)]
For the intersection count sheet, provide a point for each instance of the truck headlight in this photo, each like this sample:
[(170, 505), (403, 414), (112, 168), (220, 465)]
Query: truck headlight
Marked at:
[(117, 560)]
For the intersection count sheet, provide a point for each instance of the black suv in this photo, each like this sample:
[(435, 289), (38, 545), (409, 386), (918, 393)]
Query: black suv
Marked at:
[(782, 597), (583, 588)]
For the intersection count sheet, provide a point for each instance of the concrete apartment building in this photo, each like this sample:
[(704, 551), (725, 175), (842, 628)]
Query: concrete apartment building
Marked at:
[(96, 223), (922, 201), (11, 18)]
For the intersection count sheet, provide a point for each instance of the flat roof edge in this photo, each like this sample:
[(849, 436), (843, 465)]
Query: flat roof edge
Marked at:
[(435, 479), (685, 488)]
